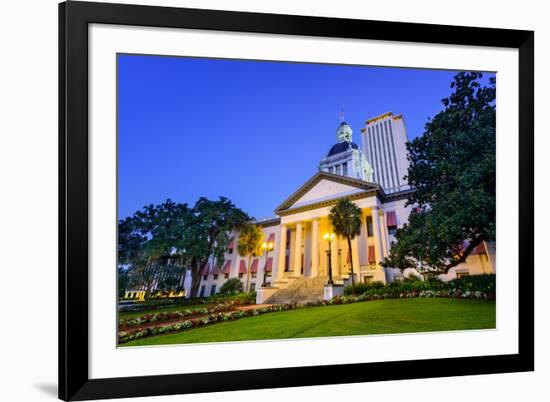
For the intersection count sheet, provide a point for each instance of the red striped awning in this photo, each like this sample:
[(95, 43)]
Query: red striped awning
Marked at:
[(391, 219), (480, 249), (214, 270), (254, 267), (271, 238), (206, 270), (231, 243), (372, 255), (242, 267), (227, 268), (269, 265)]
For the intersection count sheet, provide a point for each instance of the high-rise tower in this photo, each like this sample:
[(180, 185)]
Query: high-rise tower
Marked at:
[(383, 139)]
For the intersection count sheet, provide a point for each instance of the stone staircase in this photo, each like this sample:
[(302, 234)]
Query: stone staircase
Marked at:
[(300, 290)]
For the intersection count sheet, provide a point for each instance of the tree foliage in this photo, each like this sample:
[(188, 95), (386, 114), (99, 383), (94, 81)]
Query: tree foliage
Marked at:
[(150, 245), (231, 287), (345, 218), (452, 170), (159, 242), (250, 246)]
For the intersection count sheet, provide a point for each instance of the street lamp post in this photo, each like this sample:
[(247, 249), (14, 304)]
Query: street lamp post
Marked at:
[(329, 237), (267, 247)]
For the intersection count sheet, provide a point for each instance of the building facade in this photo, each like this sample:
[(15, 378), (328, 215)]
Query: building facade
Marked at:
[(299, 264)]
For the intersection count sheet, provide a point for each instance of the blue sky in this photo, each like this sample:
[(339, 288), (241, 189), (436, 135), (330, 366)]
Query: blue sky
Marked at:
[(252, 131)]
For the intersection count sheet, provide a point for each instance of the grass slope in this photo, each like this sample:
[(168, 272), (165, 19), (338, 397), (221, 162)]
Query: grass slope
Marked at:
[(372, 317)]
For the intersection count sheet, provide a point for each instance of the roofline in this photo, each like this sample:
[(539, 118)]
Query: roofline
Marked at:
[(365, 185), (268, 222), (398, 195), (379, 117), (332, 201), (383, 198)]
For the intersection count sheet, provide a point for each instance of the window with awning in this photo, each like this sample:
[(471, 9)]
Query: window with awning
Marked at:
[(271, 238), (391, 219), (242, 267), (227, 268), (206, 271), (231, 245), (371, 255), (269, 264), (254, 267), (214, 270), (480, 249)]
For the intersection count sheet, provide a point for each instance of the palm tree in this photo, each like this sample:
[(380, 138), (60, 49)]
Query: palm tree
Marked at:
[(250, 246), (345, 218)]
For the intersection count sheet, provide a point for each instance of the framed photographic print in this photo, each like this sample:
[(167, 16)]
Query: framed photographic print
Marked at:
[(257, 200)]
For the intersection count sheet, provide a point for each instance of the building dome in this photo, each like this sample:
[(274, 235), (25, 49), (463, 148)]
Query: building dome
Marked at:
[(344, 132), (342, 147)]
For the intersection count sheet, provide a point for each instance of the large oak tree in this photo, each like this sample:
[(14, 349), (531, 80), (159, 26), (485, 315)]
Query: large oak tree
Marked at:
[(159, 242), (452, 172)]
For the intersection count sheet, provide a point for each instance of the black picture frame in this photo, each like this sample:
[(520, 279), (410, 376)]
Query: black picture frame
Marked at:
[(74, 18)]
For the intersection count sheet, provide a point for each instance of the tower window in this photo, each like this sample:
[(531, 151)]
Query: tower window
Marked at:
[(337, 169), (345, 168), (331, 169)]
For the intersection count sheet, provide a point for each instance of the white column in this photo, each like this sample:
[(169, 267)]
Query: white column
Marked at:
[(355, 256), (298, 250), (314, 247), (282, 252), (336, 268), (378, 248)]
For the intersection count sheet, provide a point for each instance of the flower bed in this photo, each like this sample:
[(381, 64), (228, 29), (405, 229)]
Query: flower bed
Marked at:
[(172, 315), (238, 299), (127, 336)]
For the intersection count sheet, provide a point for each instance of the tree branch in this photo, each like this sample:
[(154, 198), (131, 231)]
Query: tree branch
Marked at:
[(471, 246)]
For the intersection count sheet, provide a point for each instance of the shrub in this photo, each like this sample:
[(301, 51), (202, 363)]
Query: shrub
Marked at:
[(231, 287), (244, 298), (433, 287), (475, 283), (361, 288)]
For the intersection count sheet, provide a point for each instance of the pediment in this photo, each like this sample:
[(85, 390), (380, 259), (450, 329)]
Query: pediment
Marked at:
[(323, 187)]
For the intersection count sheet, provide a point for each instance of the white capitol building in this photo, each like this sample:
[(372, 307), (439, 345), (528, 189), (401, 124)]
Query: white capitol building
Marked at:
[(370, 176)]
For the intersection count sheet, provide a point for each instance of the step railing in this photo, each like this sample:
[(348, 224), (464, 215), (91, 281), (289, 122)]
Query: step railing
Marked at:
[(294, 289), (306, 283)]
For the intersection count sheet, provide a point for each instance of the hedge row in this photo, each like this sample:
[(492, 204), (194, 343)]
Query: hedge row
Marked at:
[(475, 283)]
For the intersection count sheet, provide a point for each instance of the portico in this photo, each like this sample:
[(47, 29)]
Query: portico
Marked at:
[(304, 221)]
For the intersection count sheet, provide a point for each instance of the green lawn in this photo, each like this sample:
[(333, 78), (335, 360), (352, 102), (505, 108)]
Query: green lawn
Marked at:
[(372, 317)]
